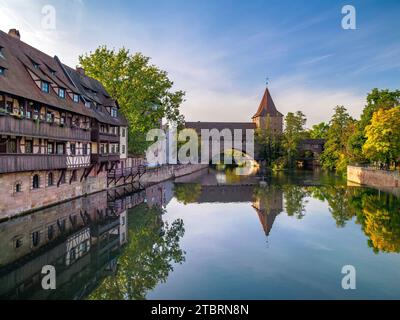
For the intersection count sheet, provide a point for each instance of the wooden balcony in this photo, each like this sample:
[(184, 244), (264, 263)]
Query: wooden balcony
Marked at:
[(96, 135), (99, 158), (10, 125), (19, 162)]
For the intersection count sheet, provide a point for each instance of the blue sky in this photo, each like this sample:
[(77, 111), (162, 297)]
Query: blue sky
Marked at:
[(221, 51)]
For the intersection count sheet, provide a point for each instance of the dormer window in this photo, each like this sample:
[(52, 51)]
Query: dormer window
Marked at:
[(45, 87), (2, 71), (1, 53), (87, 104), (36, 65), (76, 98), (114, 112), (61, 93)]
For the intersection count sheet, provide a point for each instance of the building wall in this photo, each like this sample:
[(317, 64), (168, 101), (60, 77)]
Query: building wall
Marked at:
[(275, 123), (123, 147)]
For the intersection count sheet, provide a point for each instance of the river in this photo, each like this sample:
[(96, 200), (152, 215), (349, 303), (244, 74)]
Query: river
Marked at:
[(210, 235)]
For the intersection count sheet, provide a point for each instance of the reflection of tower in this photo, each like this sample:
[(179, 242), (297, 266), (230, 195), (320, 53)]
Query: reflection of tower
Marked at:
[(268, 204)]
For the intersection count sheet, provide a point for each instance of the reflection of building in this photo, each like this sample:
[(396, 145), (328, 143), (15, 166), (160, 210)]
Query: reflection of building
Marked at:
[(268, 204)]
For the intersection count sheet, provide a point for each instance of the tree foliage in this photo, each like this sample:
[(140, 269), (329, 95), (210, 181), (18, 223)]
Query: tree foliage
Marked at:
[(319, 131), (293, 134), (341, 126), (143, 91), (383, 136)]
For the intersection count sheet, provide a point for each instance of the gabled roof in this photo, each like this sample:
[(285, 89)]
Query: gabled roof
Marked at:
[(267, 107), (20, 60)]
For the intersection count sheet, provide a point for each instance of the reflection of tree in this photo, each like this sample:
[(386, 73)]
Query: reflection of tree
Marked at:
[(377, 213), (380, 219), (187, 192), (147, 258), (343, 201), (294, 200)]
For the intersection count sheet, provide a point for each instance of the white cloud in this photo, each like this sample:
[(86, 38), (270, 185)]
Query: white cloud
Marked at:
[(213, 91)]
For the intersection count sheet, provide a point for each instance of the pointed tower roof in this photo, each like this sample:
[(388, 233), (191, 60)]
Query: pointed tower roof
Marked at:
[(267, 106)]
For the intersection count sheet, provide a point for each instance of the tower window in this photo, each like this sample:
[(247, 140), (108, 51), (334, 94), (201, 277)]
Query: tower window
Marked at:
[(18, 187), (45, 87)]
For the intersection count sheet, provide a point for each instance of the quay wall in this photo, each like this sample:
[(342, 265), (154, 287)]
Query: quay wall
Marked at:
[(13, 203), (373, 177)]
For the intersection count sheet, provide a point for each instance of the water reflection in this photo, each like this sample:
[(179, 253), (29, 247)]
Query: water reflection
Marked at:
[(119, 245)]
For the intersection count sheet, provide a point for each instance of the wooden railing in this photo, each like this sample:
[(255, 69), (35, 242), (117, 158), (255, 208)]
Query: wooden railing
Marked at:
[(104, 137), (41, 129), (98, 158), (19, 162)]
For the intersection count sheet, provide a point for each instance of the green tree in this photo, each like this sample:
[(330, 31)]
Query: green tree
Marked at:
[(383, 136), (376, 99), (341, 127), (148, 258), (268, 143), (293, 134), (143, 91), (319, 131), (187, 192)]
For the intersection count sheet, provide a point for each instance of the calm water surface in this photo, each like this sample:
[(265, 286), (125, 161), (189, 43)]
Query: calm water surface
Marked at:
[(212, 235)]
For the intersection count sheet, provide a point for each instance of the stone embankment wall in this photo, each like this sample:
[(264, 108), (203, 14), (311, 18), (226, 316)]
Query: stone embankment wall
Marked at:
[(14, 203), (373, 177)]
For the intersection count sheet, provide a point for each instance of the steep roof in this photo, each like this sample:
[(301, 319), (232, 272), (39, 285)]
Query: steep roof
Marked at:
[(19, 61), (26, 64), (267, 107)]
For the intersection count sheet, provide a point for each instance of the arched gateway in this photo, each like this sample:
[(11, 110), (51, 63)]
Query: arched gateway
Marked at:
[(267, 117)]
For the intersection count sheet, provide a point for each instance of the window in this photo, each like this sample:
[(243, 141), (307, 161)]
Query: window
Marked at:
[(74, 176), (2, 53), (36, 65), (73, 148), (62, 181), (50, 232), (50, 179), (12, 146), (61, 225), (35, 182), (60, 148), (35, 238), (2, 71), (123, 148), (50, 148), (87, 104), (18, 187), (28, 146), (85, 149), (28, 114), (18, 243), (123, 132), (76, 98), (114, 112), (50, 117), (61, 93), (45, 87)]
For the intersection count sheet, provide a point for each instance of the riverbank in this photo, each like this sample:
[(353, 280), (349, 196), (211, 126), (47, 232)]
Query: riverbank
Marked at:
[(367, 176), (16, 204)]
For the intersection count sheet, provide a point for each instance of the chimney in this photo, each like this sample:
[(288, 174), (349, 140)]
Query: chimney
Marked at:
[(14, 33), (80, 70)]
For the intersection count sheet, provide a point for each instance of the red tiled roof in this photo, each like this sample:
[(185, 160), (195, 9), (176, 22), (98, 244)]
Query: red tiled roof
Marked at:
[(267, 107), (19, 62)]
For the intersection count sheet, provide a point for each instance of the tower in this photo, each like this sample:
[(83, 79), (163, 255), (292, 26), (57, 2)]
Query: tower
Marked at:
[(267, 116)]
